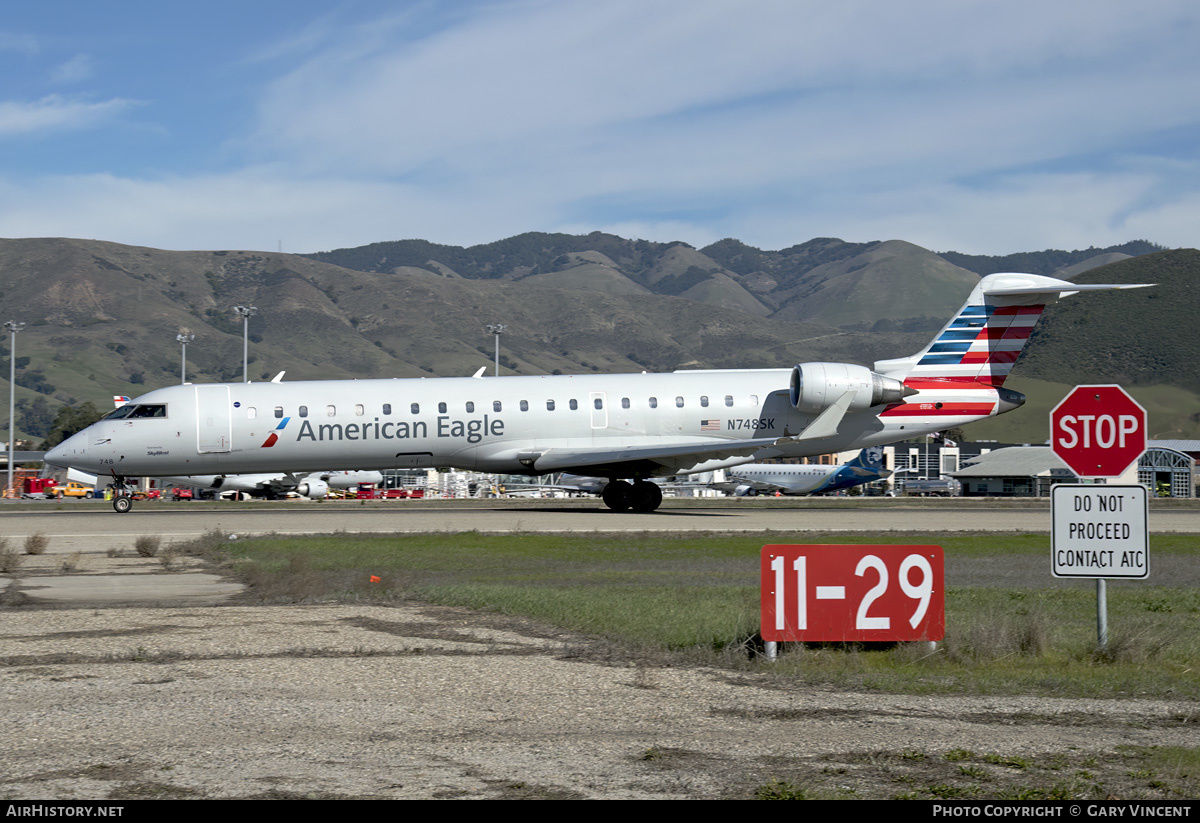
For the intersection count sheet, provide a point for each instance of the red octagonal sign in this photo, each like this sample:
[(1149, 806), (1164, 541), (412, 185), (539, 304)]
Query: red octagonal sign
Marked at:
[(1099, 431)]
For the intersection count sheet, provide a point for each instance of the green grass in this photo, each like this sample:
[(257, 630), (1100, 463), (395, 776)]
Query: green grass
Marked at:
[(698, 596)]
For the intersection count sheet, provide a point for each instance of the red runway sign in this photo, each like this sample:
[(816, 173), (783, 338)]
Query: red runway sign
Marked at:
[(852, 593)]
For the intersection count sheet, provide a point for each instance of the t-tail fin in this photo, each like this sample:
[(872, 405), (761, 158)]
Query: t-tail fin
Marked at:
[(983, 341)]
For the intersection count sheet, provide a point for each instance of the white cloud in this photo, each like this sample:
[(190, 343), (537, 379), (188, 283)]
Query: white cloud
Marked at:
[(56, 113), (75, 70), (20, 43), (981, 127)]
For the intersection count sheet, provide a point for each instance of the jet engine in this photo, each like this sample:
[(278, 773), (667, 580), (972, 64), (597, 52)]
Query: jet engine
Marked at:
[(315, 489), (745, 491), (815, 386)]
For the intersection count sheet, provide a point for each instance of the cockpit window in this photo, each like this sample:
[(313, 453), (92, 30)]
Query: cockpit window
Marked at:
[(132, 410)]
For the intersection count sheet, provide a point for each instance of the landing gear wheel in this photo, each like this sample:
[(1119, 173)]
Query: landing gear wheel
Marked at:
[(646, 497), (122, 503), (617, 495)]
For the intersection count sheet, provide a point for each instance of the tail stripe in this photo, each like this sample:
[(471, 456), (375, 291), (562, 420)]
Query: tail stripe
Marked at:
[(980, 345)]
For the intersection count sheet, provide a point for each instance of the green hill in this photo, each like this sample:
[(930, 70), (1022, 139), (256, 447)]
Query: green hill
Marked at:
[(1137, 337), (101, 318)]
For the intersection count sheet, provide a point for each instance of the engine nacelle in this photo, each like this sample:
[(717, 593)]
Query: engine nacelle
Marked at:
[(314, 489), (745, 491), (815, 386)]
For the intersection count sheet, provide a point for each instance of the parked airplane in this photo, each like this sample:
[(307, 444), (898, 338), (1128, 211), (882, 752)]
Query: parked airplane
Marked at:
[(621, 426), (764, 478), (314, 485)]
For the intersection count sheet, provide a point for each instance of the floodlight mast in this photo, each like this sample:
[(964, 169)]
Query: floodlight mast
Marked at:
[(184, 338), (246, 312), (497, 329), (13, 327)]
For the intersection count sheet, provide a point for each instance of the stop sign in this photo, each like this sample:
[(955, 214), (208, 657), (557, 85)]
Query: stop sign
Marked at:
[(1099, 431)]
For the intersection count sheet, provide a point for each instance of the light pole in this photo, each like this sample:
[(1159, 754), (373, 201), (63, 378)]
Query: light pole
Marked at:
[(184, 338), (246, 312), (13, 327), (497, 329)]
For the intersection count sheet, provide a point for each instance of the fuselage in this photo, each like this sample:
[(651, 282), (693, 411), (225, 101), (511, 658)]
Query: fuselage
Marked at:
[(524, 425), (804, 479)]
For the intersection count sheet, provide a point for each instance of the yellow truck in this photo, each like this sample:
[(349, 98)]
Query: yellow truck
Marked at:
[(73, 488)]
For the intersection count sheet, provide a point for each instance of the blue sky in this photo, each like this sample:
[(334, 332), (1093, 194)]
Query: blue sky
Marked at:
[(984, 127)]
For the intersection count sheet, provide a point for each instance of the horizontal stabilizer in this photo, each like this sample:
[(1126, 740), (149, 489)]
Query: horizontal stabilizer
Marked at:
[(1065, 288)]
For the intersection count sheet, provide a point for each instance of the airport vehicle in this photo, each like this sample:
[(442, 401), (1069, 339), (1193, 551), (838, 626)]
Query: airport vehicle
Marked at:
[(73, 488), (37, 487), (182, 493), (934, 487), (761, 478), (626, 427)]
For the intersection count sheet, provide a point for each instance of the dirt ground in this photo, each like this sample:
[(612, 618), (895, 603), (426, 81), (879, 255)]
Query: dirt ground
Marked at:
[(120, 679)]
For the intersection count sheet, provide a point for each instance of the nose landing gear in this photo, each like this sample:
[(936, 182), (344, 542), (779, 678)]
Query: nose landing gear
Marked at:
[(122, 495)]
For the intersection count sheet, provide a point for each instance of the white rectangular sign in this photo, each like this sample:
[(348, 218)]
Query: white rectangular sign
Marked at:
[(1099, 531)]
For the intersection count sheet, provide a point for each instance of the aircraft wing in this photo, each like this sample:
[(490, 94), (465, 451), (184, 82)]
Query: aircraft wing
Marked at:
[(760, 485), (662, 460)]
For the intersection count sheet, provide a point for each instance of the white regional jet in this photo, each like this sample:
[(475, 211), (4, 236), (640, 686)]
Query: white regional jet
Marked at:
[(627, 427), (763, 478)]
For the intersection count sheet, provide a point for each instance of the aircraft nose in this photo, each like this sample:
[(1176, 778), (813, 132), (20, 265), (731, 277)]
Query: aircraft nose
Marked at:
[(67, 452)]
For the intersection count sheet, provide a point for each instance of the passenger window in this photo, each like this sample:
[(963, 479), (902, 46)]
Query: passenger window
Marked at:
[(415, 408), (624, 402), (441, 408), (654, 402), (304, 411), (496, 405), (599, 402), (754, 400), (574, 404), (387, 408), (470, 407), (704, 401), (549, 405), (251, 412), (524, 405), (679, 402), (331, 410), (729, 400), (359, 409), (279, 412)]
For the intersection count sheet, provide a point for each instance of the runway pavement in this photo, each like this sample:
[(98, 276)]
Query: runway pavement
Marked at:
[(91, 526)]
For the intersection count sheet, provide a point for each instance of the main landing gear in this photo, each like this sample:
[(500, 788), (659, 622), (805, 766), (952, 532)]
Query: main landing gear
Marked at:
[(640, 495)]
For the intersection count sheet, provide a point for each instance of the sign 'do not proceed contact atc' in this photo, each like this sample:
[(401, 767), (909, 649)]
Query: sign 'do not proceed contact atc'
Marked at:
[(1099, 531)]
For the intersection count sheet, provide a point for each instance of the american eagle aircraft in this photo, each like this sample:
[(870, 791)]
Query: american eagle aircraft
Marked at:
[(626, 427), (767, 478)]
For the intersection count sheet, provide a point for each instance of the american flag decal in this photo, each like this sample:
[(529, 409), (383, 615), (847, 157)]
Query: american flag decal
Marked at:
[(712, 425)]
